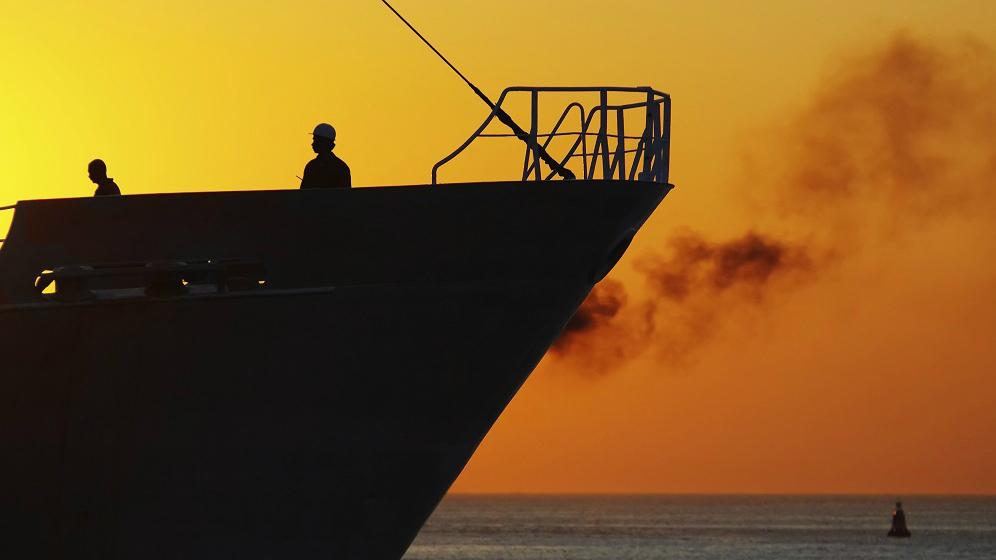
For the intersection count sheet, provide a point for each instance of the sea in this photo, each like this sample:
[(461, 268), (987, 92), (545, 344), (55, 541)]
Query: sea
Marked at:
[(521, 527)]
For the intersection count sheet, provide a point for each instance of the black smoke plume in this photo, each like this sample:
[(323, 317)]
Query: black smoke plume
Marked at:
[(897, 137)]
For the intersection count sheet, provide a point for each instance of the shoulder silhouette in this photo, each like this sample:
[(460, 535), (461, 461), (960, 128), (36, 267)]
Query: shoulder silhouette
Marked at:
[(326, 170), (97, 170)]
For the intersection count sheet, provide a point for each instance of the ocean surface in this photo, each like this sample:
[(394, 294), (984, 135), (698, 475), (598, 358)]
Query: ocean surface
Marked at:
[(715, 527)]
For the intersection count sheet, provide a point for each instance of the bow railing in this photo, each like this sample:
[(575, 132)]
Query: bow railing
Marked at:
[(3, 208), (613, 154)]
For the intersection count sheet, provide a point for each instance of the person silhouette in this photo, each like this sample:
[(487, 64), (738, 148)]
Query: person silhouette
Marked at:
[(326, 170), (97, 170)]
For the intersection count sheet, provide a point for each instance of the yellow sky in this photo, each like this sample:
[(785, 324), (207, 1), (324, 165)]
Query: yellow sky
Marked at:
[(866, 381)]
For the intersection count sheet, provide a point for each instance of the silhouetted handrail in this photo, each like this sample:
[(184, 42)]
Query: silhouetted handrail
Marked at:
[(496, 110), (2, 208), (527, 167), (546, 134), (608, 159)]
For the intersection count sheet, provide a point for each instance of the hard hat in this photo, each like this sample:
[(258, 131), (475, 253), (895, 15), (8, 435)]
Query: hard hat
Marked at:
[(324, 130)]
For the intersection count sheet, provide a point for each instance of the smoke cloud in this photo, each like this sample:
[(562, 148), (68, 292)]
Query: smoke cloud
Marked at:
[(606, 331), (899, 136), (601, 306), (688, 286), (696, 266)]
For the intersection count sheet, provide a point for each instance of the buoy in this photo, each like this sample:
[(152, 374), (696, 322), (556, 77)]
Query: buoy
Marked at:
[(899, 529)]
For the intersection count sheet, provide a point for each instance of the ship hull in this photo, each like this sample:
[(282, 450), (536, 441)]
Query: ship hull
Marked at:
[(322, 416)]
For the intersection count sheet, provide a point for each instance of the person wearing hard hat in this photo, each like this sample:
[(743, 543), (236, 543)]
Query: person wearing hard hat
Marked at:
[(326, 170), (97, 170)]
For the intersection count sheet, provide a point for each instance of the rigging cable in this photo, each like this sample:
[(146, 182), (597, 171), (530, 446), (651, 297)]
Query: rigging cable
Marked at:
[(498, 111)]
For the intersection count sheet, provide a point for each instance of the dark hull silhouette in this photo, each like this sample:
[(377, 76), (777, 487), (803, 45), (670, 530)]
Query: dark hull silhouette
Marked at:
[(323, 415)]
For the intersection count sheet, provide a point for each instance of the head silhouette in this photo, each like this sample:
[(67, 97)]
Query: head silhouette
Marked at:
[(97, 170), (323, 139)]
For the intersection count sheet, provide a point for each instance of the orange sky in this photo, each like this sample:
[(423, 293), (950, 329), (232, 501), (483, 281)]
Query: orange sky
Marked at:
[(873, 374)]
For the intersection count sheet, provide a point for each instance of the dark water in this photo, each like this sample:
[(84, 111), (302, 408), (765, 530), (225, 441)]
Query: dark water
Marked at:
[(720, 527)]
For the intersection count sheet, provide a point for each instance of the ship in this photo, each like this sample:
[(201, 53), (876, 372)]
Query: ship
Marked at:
[(296, 373)]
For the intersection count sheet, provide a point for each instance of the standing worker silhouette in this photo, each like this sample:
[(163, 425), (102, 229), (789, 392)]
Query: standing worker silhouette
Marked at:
[(326, 170), (98, 174)]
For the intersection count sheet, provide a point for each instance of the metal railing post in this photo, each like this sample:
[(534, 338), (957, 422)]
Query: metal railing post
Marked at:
[(649, 136), (583, 128), (621, 143), (665, 153), (603, 139), (530, 155)]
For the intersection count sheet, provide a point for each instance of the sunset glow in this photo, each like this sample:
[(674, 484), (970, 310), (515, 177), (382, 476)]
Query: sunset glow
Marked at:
[(811, 310)]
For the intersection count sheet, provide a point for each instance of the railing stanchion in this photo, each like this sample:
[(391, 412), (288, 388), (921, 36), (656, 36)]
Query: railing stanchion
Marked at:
[(603, 137), (583, 128), (649, 136), (665, 153), (534, 110), (621, 144)]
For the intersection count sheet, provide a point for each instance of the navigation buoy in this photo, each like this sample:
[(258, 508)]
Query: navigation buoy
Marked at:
[(899, 529)]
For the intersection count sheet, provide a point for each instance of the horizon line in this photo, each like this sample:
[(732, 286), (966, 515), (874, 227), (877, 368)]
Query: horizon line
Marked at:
[(731, 494)]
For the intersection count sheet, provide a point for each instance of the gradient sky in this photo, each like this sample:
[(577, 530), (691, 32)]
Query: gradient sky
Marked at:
[(877, 376)]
